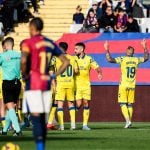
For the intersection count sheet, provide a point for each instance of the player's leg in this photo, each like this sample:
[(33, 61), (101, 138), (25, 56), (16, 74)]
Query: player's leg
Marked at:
[(123, 100), (2, 112), (51, 118), (37, 103), (78, 98), (51, 124), (60, 98), (60, 114), (131, 100), (86, 107), (11, 93), (70, 98)]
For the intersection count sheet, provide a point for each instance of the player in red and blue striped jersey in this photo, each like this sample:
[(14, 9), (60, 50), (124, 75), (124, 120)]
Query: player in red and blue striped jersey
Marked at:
[(37, 52)]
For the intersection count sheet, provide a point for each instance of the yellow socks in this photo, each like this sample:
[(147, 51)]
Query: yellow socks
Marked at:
[(52, 114), (130, 110), (20, 115), (60, 114), (3, 122), (86, 114), (72, 115), (125, 112)]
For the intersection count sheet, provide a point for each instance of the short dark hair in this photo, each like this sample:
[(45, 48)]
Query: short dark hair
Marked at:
[(130, 47), (121, 9), (130, 16), (81, 44), (9, 39), (63, 45), (38, 23)]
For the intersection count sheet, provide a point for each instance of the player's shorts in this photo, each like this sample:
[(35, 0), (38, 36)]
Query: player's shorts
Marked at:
[(126, 95), (11, 90), (83, 93), (63, 94), (36, 101), (1, 93)]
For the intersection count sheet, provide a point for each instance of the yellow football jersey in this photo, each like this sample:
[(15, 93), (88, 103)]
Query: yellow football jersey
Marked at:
[(66, 79), (85, 64), (129, 67)]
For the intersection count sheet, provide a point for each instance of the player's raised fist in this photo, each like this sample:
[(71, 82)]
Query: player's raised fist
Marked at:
[(106, 45)]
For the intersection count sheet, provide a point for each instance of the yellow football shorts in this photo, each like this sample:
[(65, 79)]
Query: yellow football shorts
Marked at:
[(63, 94), (126, 95), (83, 93)]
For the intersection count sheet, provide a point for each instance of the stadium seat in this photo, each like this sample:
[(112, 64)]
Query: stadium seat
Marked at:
[(74, 28)]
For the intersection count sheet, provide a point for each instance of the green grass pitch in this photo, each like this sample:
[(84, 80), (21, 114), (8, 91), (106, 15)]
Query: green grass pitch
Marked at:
[(103, 136)]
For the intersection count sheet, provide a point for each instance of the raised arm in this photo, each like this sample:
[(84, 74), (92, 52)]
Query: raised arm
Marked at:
[(108, 55), (146, 53), (99, 71)]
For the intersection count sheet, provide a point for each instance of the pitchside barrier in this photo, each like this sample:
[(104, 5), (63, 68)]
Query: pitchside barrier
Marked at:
[(104, 106)]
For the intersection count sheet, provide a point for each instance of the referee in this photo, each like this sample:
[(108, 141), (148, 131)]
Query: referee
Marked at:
[(10, 63)]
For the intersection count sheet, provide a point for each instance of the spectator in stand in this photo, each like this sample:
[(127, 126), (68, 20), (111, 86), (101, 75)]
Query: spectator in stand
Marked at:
[(132, 24), (104, 4), (107, 21), (137, 9), (8, 14), (35, 7), (124, 4), (96, 9), (121, 21), (78, 17), (91, 24)]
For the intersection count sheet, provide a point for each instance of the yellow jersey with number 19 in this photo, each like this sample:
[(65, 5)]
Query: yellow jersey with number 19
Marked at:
[(129, 67), (85, 64), (66, 79)]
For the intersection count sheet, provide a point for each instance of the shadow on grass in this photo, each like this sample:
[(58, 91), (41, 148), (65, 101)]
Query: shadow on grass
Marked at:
[(27, 139)]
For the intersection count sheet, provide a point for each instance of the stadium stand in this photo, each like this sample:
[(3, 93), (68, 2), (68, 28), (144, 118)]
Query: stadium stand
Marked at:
[(57, 17), (142, 21)]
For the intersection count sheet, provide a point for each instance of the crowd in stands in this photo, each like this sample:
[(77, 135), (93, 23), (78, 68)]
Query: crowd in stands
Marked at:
[(13, 12), (104, 17)]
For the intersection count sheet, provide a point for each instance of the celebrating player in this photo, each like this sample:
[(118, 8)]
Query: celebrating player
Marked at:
[(82, 81), (65, 88), (129, 65), (37, 52)]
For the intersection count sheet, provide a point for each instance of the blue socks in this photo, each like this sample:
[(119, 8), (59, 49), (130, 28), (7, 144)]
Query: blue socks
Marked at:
[(39, 131)]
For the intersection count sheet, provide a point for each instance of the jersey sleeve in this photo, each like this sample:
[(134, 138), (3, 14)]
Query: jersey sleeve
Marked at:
[(140, 60), (25, 46), (119, 60), (93, 64)]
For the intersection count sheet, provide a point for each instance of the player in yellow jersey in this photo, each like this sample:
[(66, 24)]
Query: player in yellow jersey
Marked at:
[(129, 65), (82, 81), (65, 88)]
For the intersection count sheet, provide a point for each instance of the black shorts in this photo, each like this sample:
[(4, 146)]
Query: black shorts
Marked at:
[(11, 90)]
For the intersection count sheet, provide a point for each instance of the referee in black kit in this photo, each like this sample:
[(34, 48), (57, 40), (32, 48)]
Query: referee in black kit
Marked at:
[(11, 86)]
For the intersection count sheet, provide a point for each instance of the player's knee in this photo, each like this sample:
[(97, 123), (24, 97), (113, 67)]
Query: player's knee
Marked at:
[(86, 104), (130, 105), (54, 105), (122, 104)]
